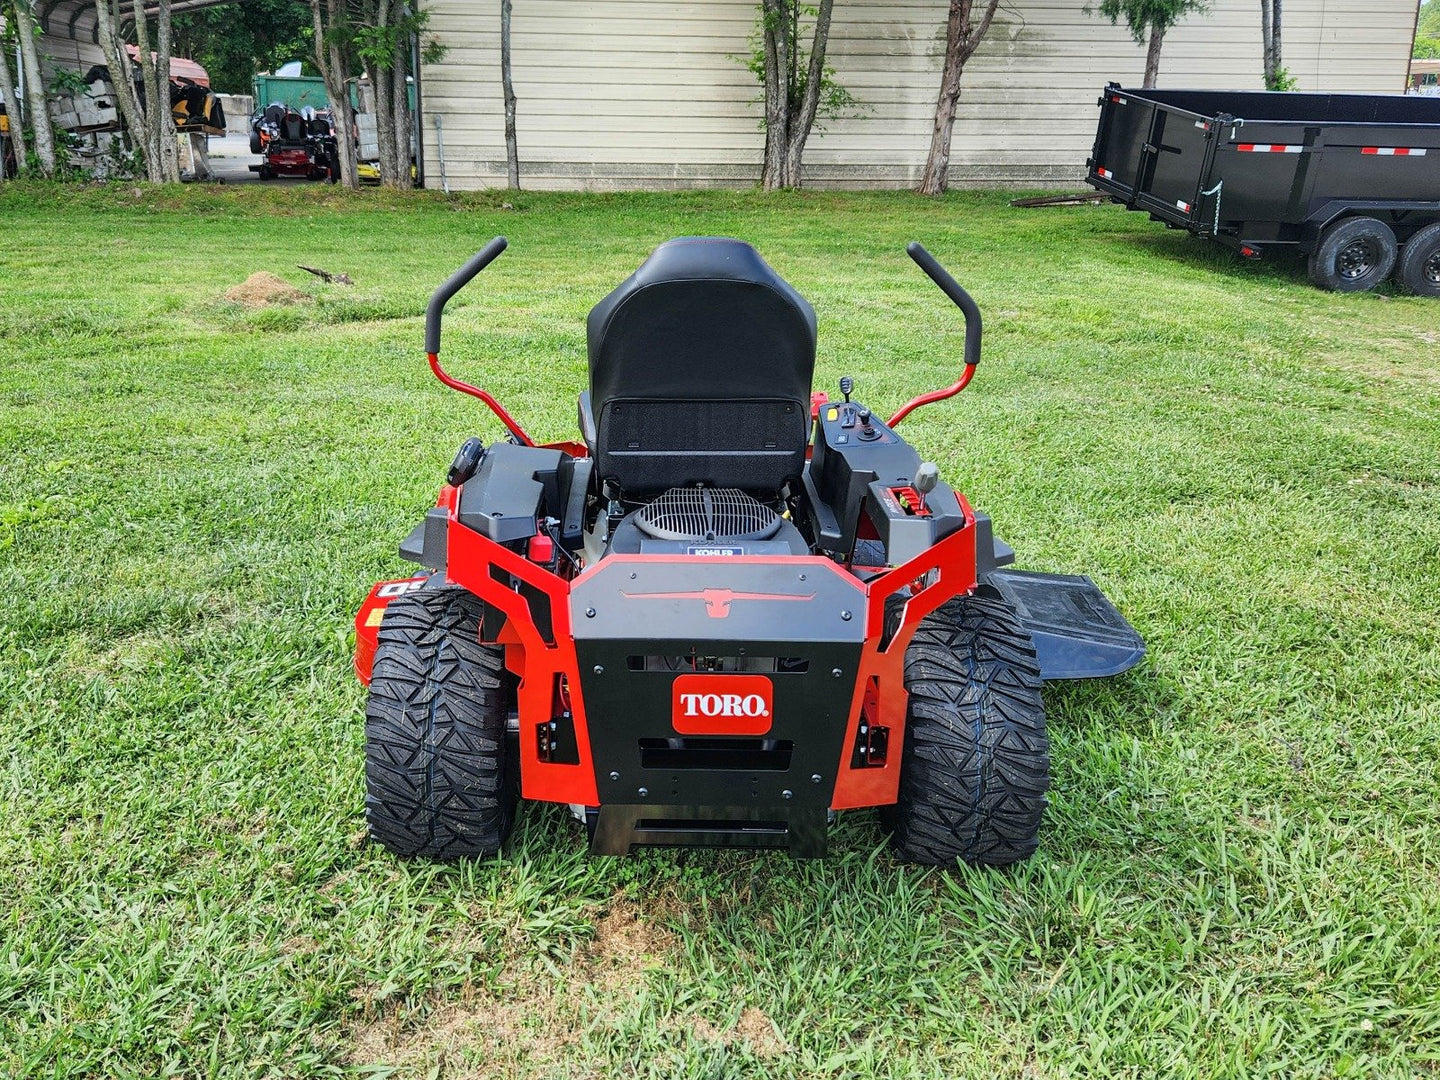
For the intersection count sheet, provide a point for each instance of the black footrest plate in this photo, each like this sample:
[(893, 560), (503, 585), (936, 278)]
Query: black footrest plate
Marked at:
[(1078, 633)]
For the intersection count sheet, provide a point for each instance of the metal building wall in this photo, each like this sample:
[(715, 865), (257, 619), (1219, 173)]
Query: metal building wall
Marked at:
[(642, 94)]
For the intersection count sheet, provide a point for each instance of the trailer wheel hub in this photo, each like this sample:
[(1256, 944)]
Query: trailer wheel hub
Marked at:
[(1357, 258), (1431, 270)]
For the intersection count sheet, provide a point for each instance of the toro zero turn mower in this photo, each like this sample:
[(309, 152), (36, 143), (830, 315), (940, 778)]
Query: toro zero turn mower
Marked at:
[(295, 144), (733, 609)]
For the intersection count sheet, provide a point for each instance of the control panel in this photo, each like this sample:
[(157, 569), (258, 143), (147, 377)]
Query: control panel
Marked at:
[(860, 466)]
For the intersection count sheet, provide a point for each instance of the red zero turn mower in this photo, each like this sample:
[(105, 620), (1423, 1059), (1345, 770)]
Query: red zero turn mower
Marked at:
[(732, 610)]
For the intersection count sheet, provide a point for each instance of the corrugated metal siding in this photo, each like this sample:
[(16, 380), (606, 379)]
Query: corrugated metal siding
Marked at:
[(637, 93)]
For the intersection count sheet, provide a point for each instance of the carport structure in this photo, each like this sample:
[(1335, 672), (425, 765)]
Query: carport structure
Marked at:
[(71, 34), (75, 19)]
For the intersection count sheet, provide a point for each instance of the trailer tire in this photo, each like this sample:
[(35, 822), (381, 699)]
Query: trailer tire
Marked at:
[(1419, 269), (440, 779), (1354, 255), (976, 761)]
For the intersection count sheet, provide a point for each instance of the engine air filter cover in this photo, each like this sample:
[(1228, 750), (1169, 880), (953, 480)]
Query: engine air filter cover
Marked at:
[(707, 514)]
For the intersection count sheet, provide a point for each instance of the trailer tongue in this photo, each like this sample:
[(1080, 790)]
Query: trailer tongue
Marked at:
[(1351, 181)]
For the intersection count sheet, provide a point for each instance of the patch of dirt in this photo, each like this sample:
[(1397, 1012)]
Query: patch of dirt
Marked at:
[(264, 289), (757, 1029), (501, 1032), (627, 944), (525, 1020), (753, 1029)]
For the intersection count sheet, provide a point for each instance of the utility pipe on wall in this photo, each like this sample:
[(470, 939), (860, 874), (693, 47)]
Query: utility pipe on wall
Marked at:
[(440, 149)]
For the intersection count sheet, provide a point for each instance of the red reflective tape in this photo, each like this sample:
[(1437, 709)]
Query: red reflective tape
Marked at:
[(1183, 205), (1394, 151), (1269, 148), (1106, 173)]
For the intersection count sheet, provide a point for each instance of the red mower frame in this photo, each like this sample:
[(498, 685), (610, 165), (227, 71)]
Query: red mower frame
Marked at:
[(887, 587), (548, 668)]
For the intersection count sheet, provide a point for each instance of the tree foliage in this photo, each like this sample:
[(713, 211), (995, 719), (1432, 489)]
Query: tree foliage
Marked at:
[(1427, 32), (1430, 18), (1152, 19), (1142, 16), (233, 42), (800, 90), (833, 100)]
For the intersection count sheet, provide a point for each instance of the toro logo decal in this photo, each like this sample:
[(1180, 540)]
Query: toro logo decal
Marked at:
[(721, 704)]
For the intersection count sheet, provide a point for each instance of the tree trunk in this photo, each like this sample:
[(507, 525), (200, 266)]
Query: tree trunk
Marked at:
[(777, 108), (800, 125), (17, 136), (1276, 59), (37, 108), (1152, 55), (169, 137), (384, 107), (384, 121), (154, 151), (1267, 40), (329, 58), (400, 107), (512, 152), (121, 78), (962, 38)]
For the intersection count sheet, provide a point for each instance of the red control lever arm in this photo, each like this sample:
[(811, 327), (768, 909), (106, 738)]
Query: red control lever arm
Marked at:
[(457, 281), (963, 300)]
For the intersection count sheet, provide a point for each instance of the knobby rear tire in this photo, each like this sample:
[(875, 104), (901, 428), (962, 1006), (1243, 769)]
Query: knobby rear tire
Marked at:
[(976, 761), (439, 778)]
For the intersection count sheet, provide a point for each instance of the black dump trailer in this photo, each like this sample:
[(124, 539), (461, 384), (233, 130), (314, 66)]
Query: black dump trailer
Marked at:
[(1352, 181)]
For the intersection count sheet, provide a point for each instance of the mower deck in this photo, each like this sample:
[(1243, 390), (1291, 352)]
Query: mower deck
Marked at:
[(1078, 632)]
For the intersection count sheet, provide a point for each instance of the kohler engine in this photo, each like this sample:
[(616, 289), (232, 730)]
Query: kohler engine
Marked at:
[(706, 521)]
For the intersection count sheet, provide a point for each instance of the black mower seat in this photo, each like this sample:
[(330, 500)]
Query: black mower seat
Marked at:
[(700, 369)]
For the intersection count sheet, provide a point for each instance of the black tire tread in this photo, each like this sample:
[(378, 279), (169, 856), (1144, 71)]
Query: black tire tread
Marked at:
[(976, 760), (1321, 265), (1413, 257), (437, 776)]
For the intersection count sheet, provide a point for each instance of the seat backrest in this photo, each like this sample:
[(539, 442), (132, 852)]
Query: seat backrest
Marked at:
[(700, 369)]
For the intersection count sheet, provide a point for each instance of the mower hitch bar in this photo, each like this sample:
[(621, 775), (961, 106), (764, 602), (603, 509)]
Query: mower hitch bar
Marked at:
[(729, 611)]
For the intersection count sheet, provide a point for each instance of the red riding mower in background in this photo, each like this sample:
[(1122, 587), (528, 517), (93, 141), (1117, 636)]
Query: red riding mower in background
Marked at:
[(297, 144)]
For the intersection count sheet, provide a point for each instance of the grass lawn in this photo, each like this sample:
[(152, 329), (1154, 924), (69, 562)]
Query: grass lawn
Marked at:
[(1240, 872)]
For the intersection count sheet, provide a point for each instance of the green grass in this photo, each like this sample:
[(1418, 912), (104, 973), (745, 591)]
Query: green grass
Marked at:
[(1240, 874)]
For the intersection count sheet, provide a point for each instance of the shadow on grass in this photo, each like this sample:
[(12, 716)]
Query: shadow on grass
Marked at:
[(1280, 266), (1134, 704)]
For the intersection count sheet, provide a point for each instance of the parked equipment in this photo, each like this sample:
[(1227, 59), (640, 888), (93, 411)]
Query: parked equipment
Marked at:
[(731, 610), (290, 143), (1351, 181)]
